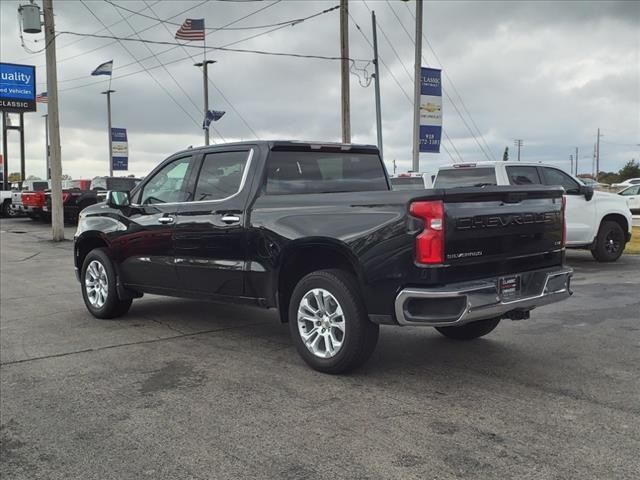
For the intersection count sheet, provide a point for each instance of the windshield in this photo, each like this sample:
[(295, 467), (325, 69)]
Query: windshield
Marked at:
[(465, 177)]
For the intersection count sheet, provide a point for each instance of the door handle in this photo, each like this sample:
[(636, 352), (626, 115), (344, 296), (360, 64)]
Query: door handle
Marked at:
[(230, 218), (165, 220)]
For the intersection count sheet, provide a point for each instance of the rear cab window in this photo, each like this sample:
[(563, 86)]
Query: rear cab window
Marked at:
[(299, 172), (523, 175), (465, 177), (407, 183)]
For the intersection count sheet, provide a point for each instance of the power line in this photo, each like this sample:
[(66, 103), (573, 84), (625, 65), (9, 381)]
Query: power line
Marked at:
[(443, 89), (450, 80), (291, 22), (395, 79), (148, 73), (223, 49), (186, 94), (119, 67), (211, 81), (79, 39), (400, 86), (114, 42)]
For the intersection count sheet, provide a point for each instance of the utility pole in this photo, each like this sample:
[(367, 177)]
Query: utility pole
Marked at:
[(344, 70), (46, 145), (377, 85), (577, 161), (571, 160), (205, 78), (417, 66), (23, 173), (518, 142), (598, 155), (57, 214)]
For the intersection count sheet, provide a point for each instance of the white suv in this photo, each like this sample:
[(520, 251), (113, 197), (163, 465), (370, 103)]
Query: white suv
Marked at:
[(598, 221)]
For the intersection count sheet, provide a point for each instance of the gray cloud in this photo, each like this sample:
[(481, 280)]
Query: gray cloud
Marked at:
[(548, 72)]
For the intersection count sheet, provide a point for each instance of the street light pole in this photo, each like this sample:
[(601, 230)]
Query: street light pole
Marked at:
[(205, 79), (344, 72), (108, 94)]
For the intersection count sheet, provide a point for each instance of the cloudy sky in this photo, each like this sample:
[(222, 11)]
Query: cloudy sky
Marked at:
[(550, 73)]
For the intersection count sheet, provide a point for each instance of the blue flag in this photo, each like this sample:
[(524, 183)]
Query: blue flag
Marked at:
[(212, 116), (104, 69)]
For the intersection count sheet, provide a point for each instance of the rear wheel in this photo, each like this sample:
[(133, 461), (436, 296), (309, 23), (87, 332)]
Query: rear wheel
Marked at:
[(609, 242), (6, 209), (98, 279), (329, 323), (471, 330)]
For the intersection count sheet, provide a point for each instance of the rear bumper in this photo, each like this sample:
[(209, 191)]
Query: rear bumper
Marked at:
[(460, 303)]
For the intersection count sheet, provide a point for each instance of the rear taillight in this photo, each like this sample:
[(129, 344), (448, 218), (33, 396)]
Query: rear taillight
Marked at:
[(430, 243), (65, 196), (564, 220)]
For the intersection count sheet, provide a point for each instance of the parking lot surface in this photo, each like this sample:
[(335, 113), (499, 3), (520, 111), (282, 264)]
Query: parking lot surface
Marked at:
[(182, 389)]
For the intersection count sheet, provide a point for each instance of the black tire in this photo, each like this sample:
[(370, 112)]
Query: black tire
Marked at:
[(610, 242), (360, 335), (470, 331), (6, 209), (113, 306)]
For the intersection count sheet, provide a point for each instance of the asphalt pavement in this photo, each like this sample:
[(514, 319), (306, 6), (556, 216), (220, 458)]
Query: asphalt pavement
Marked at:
[(181, 389)]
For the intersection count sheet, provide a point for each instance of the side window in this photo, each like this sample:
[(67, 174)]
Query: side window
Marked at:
[(168, 184), (221, 175), (555, 177), (631, 191), (522, 175)]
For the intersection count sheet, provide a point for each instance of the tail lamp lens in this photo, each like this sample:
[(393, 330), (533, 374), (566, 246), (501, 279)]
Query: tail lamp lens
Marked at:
[(430, 243), (564, 220)]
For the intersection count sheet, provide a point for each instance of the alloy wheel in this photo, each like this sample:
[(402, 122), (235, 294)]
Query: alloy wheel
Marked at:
[(321, 323), (96, 283)]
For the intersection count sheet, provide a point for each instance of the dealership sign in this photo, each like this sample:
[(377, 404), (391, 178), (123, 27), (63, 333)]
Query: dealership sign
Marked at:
[(119, 149), (430, 109), (17, 88)]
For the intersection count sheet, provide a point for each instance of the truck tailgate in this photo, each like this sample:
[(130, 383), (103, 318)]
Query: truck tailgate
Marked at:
[(502, 223)]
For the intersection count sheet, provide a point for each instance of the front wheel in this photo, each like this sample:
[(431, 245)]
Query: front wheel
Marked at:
[(329, 323), (609, 242), (7, 211), (470, 331), (98, 279)]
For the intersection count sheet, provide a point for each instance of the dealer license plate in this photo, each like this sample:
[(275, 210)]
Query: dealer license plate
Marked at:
[(509, 287)]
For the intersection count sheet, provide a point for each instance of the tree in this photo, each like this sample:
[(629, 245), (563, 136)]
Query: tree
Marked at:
[(631, 169), (14, 177), (505, 155), (66, 176)]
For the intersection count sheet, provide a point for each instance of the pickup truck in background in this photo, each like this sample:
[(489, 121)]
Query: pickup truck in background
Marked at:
[(598, 221), (411, 181), (18, 207), (88, 192), (315, 231)]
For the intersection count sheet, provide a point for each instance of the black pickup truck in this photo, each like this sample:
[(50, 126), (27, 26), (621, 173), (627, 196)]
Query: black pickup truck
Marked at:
[(315, 231)]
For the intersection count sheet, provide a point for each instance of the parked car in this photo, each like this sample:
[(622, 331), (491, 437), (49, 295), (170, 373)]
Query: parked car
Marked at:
[(18, 206), (598, 221), (632, 195), (89, 192), (6, 197), (314, 231), (627, 183), (411, 181)]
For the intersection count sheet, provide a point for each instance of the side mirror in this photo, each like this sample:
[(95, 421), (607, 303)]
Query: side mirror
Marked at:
[(587, 191), (118, 199)]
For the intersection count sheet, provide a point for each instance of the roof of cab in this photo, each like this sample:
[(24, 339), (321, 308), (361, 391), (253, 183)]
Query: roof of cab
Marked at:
[(289, 145)]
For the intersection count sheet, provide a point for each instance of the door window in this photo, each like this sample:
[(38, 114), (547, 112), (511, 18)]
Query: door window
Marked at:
[(555, 177), (221, 175), (523, 175), (631, 191), (168, 185)]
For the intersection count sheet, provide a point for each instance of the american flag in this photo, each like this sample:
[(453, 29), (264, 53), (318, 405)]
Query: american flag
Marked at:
[(42, 98), (191, 29)]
